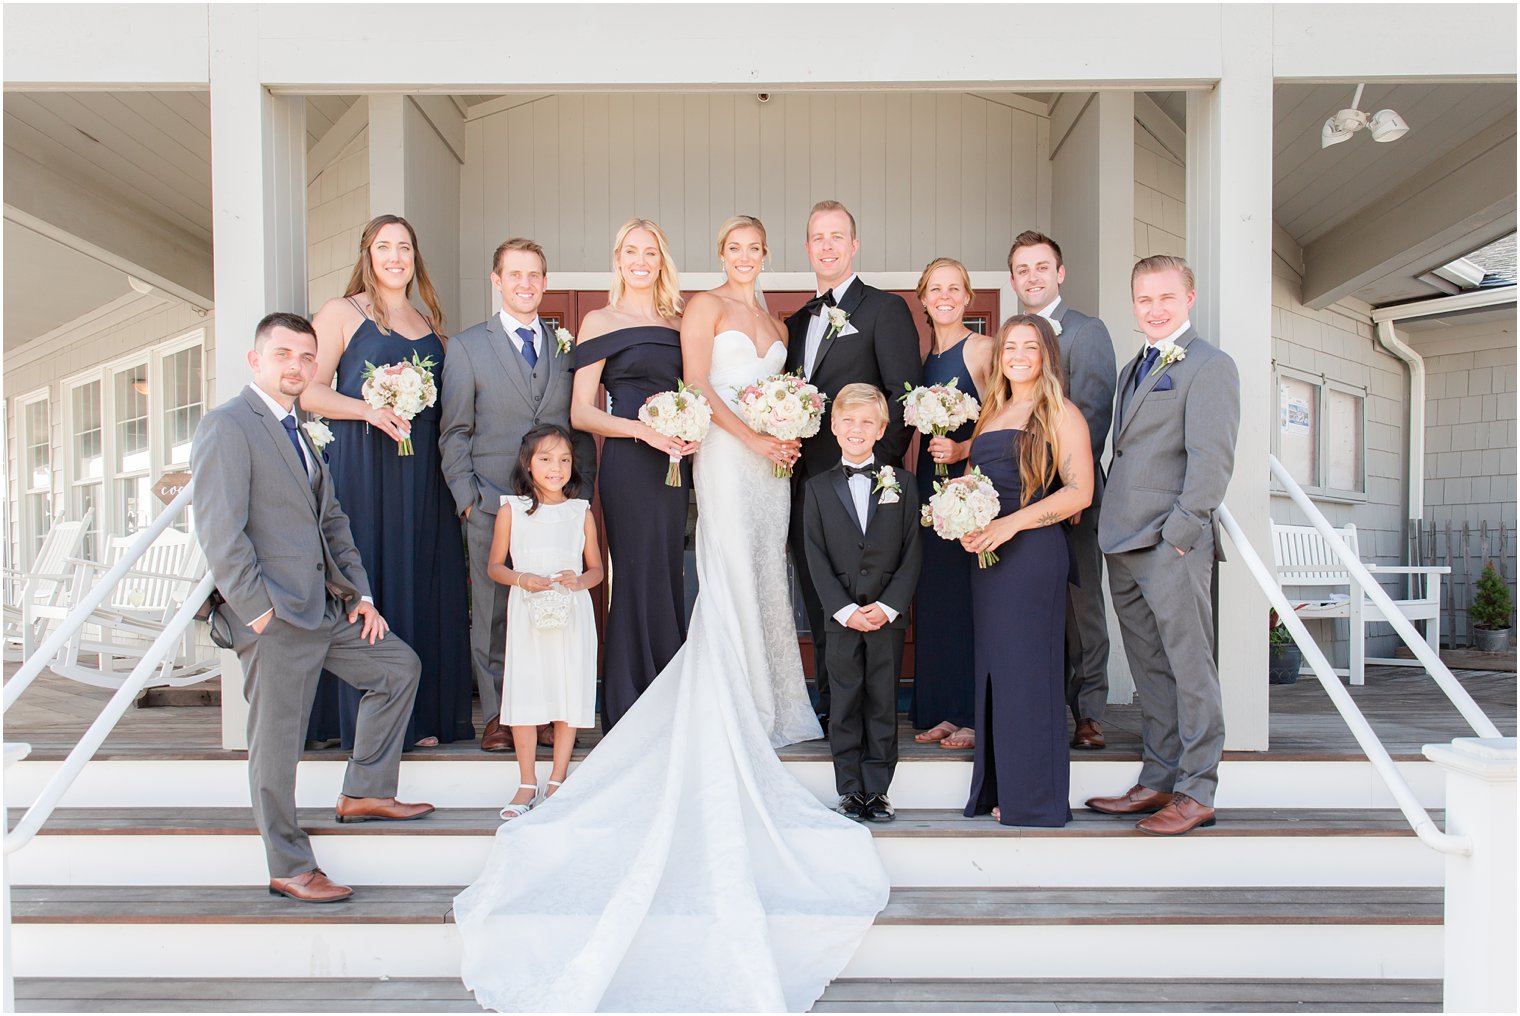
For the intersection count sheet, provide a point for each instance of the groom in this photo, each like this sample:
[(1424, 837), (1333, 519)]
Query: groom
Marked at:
[(504, 377), (875, 342)]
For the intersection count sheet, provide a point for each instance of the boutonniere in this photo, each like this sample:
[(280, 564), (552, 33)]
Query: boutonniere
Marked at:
[(838, 318), (1168, 353), (887, 485), (321, 435), (563, 340), (1055, 326)]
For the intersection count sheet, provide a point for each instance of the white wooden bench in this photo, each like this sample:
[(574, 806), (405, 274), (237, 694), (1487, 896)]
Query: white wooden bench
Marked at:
[(1304, 559)]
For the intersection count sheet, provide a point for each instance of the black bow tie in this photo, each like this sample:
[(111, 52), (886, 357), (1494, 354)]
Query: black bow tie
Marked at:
[(817, 303), (850, 472)]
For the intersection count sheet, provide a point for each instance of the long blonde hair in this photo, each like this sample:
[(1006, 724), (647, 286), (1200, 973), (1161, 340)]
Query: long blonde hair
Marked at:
[(363, 278), (1040, 450), (667, 286)]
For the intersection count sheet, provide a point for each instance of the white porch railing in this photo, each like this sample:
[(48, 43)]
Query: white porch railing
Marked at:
[(1479, 926), (141, 676)]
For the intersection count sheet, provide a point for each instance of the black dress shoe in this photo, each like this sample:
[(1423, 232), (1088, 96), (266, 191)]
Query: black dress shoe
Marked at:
[(852, 806), (823, 721), (879, 809)]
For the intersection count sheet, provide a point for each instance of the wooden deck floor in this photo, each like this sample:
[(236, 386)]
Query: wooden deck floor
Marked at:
[(1404, 706)]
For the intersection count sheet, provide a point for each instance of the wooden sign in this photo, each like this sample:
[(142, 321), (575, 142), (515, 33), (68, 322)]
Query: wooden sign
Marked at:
[(169, 485)]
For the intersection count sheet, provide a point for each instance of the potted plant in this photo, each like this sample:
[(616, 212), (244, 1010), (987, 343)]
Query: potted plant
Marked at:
[(1490, 612), (1284, 658)]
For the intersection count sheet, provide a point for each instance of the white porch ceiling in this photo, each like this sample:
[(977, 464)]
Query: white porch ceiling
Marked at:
[(48, 284)]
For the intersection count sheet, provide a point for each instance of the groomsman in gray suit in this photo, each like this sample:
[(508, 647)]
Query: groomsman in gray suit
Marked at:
[(1174, 449), (297, 600), (502, 378), (1087, 353)]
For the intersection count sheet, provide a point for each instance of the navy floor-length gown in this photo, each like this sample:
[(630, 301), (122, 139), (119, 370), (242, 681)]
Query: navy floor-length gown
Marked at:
[(645, 519), (1021, 763), (942, 632), (409, 539)]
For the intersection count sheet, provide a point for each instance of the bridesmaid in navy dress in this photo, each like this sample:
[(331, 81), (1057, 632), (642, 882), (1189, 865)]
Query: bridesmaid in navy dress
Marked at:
[(1031, 442), (942, 686), (398, 507), (633, 346)]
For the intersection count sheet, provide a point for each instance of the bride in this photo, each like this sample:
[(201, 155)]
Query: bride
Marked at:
[(681, 867)]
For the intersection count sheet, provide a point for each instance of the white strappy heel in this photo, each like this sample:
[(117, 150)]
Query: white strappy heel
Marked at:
[(553, 783), (519, 810)]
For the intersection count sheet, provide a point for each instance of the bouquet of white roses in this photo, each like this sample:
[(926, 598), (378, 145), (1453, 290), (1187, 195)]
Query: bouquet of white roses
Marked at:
[(783, 406), (406, 388), (682, 414), (962, 506), (938, 410)]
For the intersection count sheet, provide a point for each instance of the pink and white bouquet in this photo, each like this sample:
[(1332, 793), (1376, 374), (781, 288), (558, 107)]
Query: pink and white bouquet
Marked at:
[(682, 414), (783, 406), (406, 388), (938, 410), (960, 507)]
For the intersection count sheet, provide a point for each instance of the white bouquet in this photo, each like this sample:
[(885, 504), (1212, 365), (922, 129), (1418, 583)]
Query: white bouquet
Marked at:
[(682, 414), (783, 406), (938, 410), (406, 388), (962, 506)]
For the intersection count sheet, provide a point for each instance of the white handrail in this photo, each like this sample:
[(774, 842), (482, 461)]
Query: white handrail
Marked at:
[(1382, 763), (84, 751), (80, 614), (1479, 721)]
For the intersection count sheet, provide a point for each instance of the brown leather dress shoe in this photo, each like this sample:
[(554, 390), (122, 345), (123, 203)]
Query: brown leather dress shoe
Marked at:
[(363, 809), (1088, 736), (1183, 815), (1135, 801), (496, 737), (311, 887)]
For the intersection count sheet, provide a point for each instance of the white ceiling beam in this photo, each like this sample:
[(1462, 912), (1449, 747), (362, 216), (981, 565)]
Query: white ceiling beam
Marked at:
[(111, 231), (1393, 42), (1440, 213), (349, 126), (77, 47)]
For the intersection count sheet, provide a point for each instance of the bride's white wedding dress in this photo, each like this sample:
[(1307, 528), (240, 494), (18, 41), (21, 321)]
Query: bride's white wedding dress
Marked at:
[(681, 867)]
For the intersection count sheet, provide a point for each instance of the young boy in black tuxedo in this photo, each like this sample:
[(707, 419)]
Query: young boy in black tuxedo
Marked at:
[(860, 528)]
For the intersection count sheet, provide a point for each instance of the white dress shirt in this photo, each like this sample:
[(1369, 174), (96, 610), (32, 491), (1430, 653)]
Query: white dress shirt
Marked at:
[(817, 326), (1174, 336), (860, 493), (511, 325), (1048, 312)]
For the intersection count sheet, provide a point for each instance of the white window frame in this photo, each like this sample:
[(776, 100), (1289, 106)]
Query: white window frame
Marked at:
[(151, 360), (33, 530), (1317, 487), (71, 455)]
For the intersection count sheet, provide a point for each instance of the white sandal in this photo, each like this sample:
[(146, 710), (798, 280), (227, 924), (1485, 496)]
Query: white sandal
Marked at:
[(553, 783), (519, 810)]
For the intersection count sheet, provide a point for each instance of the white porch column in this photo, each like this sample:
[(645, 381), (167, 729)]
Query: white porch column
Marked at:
[(1480, 889), (1229, 243), (258, 197)]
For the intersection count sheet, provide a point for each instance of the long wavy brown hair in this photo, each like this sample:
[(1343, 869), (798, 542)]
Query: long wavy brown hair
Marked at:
[(1041, 448), (363, 278)]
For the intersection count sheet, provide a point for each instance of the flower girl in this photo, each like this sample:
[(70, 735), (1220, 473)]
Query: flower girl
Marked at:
[(549, 536)]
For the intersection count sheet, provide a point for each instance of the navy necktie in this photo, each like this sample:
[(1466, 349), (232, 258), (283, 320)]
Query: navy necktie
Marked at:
[(289, 423), (1145, 366), (527, 347)]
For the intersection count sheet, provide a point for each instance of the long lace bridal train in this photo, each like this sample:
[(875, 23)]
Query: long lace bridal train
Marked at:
[(681, 867)]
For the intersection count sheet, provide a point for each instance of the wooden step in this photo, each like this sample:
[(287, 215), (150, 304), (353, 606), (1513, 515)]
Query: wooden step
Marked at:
[(130, 905), (844, 995), (926, 822)]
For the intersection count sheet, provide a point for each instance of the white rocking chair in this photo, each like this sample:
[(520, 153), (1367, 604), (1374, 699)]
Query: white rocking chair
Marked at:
[(122, 628), (39, 592)]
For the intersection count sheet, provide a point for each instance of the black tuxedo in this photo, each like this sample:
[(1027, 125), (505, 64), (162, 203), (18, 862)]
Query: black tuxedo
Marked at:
[(849, 566), (884, 353)]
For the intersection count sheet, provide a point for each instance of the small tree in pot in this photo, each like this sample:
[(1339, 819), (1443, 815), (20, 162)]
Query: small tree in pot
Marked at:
[(1284, 657), (1490, 611)]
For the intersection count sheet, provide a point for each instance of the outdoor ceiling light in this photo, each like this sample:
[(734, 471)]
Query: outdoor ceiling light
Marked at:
[(1384, 125)]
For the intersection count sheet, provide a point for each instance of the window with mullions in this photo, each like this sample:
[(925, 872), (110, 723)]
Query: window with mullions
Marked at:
[(87, 457), (36, 475), (1319, 434)]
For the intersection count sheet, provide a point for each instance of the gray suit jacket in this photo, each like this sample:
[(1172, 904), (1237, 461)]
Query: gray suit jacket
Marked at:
[(272, 540), (1087, 353), (1174, 450), (489, 401)]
